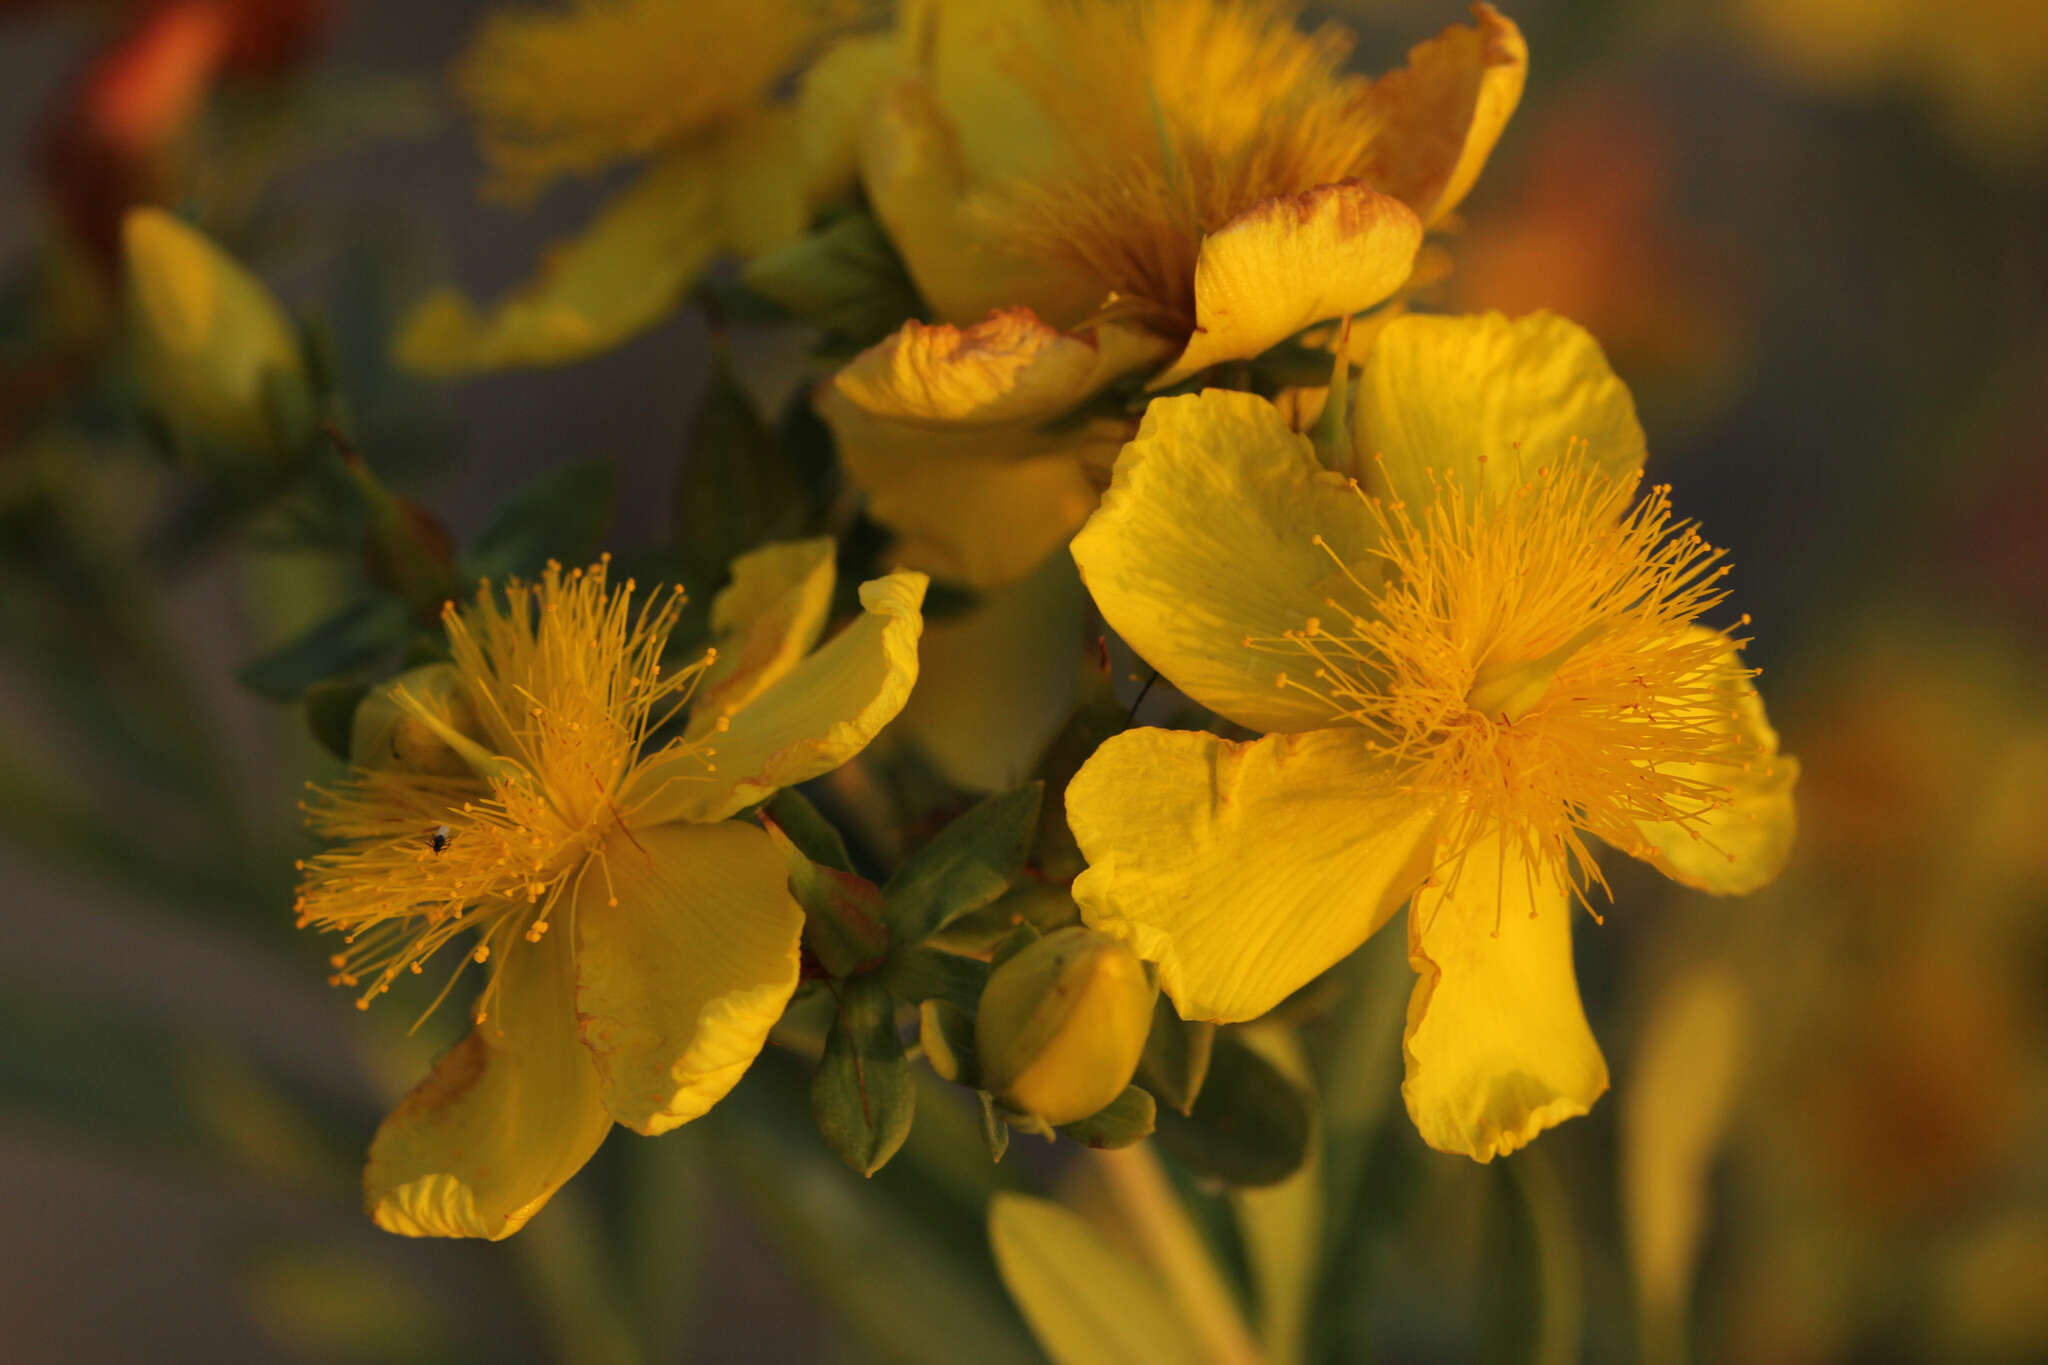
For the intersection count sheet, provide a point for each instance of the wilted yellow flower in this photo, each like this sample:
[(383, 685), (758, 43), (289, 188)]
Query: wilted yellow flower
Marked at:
[(1469, 654), (692, 85), (637, 942), (1148, 188)]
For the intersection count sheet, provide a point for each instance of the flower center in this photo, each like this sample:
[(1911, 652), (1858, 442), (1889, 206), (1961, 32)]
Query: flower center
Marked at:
[(1528, 657)]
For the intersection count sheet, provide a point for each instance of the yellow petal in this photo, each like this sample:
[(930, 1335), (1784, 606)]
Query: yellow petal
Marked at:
[(838, 96), (918, 181), (1008, 368), (623, 274), (996, 683), (1497, 1044), (947, 431), (821, 713), (764, 622), (1243, 870), (1445, 110), (1489, 400), (1288, 262), (502, 1121), (1732, 848), (763, 183), (1206, 538), (686, 954)]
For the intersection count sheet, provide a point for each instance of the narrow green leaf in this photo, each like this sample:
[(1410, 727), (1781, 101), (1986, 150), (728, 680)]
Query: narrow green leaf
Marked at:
[(862, 1094), (846, 278), (843, 926), (350, 639), (563, 515), (1128, 1118), (967, 865), (1087, 1303), (994, 1131), (1250, 1125), (808, 829), (915, 975), (737, 489), (1015, 942), (1176, 1060)]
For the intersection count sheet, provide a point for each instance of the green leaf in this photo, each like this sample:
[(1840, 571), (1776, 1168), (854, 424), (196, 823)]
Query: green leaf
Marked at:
[(815, 836), (1087, 1303), (846, 278), (1250, 1125), (1015, 942), (1128, 1118), (843, 926), (350, 639), (1176, 1059), (915, 975), (737, 489), (946, 1033), (862, 1094), (967, 865), (563, 515), (331, 712)]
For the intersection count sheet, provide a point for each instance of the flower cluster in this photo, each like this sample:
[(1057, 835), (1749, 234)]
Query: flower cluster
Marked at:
[(1120, 321)]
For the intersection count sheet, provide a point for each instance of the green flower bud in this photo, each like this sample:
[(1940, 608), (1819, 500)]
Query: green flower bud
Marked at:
[(207, 338), (388, 735), (1062, 1024)]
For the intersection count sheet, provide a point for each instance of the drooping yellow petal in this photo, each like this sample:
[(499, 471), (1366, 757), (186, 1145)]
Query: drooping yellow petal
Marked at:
[(764, 622), (623, 274), (1243, 870), (502, 1121), (577, 89), (1734, 844), (1488, 401), (837, 98), (957, 436), (1445, 110), (818, 715), (995, 683), (686, 954), (1203, 553), (1497, 1045), (1292, 261)]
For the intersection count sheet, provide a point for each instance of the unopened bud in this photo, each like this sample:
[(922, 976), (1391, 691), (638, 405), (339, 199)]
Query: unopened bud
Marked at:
[(1062, 1024), (215, 356), (390, 735)]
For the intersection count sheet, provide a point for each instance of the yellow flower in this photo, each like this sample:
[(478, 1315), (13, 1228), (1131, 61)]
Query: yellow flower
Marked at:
[(690, 85), (1147, 188), (1468, 654), (638, 942)]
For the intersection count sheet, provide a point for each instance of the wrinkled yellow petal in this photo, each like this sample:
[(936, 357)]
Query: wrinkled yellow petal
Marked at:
[(764, 622), (963, 441), (504, 1118), (1445, 110), (1243, 870), (1207, 539), (1008, 368), (623, 274), (995, 683), (1731, 848), (1289, 262), (818, 715), (1488, 400), (1498, 1047), (686, 954)]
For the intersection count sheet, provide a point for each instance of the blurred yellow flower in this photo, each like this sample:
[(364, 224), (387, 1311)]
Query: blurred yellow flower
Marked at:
[(1172, 183), (1469, 653), (693, 86), (639, 942)]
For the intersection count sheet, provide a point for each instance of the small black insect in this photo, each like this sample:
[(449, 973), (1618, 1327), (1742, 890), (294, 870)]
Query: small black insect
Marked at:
[(438, 840)]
